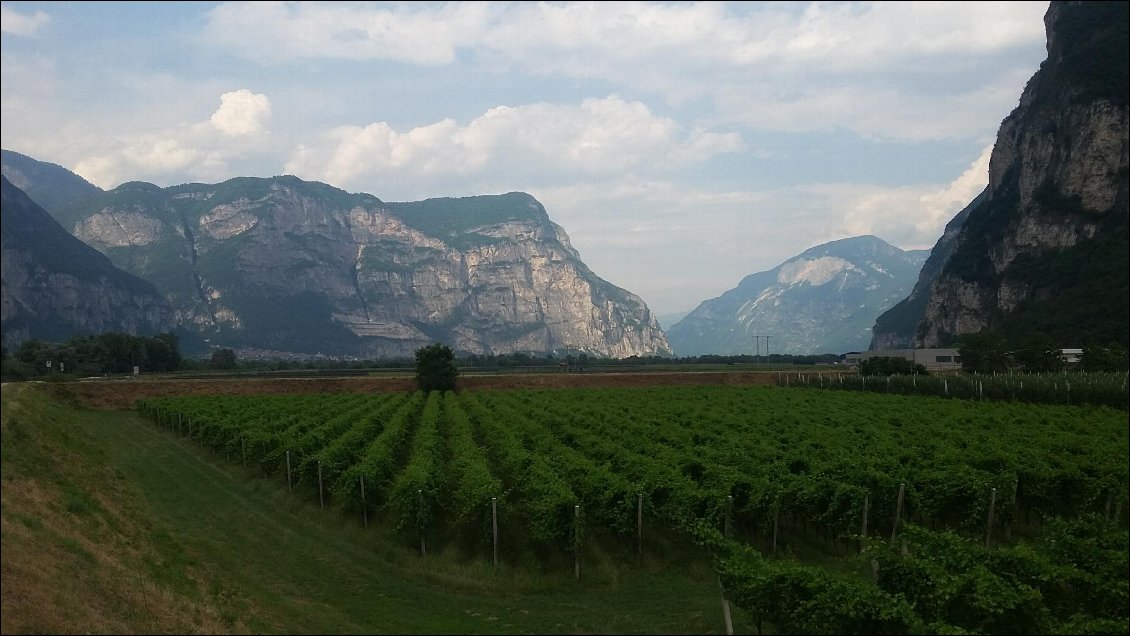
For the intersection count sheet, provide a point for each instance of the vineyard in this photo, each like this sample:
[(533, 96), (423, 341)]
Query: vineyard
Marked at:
[(1096, 388), (830, 512)]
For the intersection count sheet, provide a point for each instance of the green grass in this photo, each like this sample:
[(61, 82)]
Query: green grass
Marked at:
[(113, 525)]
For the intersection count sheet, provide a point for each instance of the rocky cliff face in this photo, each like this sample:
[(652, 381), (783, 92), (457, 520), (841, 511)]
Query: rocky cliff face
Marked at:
[(897, 327), (822, 301), (285, 265), (1045, 248), (54, 286)]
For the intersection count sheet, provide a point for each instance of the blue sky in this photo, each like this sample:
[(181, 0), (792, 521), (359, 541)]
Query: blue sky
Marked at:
[(682, 146)]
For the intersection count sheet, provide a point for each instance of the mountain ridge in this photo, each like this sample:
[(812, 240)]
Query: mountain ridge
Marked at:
[(288, 265), (55, 286), (823, 300)]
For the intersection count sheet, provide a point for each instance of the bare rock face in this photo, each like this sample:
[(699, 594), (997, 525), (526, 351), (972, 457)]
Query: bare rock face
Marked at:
[(1044, 248), (291, 266), (55, 287)]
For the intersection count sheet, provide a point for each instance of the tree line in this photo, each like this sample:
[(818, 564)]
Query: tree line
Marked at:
[(990, 351), (107, 353)]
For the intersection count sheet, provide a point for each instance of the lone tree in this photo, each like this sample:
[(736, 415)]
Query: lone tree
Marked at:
[(435, 368)]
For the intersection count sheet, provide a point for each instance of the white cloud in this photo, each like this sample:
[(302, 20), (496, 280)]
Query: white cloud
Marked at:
[(16, 23), (200, 151), (912, 217), (877, 113), (676, 244), (148, 158), (529, 143), (884, 69), (277, 31), (940, 207), (242, 113)]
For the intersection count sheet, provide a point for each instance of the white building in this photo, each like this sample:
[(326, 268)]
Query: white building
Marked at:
[(1071, 356), (932, 359)]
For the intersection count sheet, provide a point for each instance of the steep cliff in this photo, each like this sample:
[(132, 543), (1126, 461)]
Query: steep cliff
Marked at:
[(54, 286), (823, 301), (897, 327), (1045, 248), (285, 265)]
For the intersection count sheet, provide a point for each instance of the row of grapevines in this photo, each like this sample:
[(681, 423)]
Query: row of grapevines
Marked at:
[(533, 489), (1099, 389), (470, 480)]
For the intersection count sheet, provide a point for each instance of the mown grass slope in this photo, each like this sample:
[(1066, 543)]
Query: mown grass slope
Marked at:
[(110, 525)]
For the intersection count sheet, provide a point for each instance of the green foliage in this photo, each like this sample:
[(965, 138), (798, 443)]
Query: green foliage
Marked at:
[(799, 599), (1077, 571), (413, 493), (948, 581), (1088, 388), (1076, 294), (1039, 354), (110, 352), (16, 370), (1092, 38), (451, 220), (983, 352), (433, 461), (1112, 357), (223, 359), (435, 368), (890, 366), (471, 481)]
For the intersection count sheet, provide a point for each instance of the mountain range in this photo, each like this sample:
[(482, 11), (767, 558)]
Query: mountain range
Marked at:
[(282, 265), (285, 266), (824, 300)]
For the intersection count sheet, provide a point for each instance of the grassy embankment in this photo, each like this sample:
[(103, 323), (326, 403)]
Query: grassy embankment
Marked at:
[(112, 526)]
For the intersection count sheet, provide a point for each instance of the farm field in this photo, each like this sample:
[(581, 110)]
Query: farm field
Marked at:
[(110, 525), (124, 392), (818, 511)]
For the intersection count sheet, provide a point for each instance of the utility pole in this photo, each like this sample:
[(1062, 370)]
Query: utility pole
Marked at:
[(757, 340)]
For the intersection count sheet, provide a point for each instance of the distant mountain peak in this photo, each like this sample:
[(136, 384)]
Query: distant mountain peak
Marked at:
[(821, 301)]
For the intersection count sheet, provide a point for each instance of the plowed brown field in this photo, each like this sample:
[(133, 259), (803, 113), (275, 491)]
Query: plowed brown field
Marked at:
[(121, 394)]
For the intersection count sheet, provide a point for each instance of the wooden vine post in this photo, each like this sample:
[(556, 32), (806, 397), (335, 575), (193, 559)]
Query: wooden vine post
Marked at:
[(898, 512), (494, 527), (726, 618), (289, 483)]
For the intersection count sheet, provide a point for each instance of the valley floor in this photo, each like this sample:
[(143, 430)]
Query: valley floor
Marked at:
[(110, 525)]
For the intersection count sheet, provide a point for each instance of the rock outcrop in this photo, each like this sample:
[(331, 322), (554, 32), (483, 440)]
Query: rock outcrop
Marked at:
[(1044, 249), (292, 266)]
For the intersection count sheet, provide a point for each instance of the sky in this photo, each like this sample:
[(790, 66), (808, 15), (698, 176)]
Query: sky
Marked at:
[(682, 146)]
